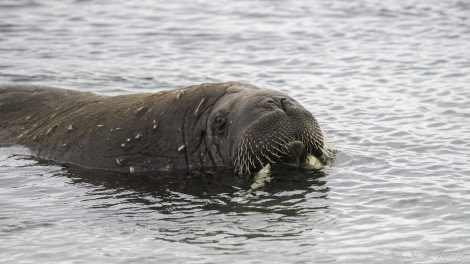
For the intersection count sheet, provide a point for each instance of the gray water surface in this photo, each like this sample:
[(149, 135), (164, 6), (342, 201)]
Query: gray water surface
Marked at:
[(387, 80)]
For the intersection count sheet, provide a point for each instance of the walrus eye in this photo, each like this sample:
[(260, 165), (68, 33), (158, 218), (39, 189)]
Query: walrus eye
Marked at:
[(220, 121)]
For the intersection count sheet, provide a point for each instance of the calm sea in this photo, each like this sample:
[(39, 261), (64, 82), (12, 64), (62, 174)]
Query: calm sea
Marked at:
[(389, 81)]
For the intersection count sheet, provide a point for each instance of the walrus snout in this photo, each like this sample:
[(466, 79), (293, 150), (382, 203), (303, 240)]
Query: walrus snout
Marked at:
[(296, 153), (284, 132)]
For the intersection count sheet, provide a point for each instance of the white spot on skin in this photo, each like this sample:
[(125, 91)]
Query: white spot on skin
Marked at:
[(179, 94), (131, 169), (50, 130), (100, 125), (128, 139), (200, 103), (123, 145), (181, 147), (138, 136), (154, 124), (118, 161), (70, 128)]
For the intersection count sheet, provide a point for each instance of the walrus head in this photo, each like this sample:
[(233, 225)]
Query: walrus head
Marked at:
[(253, 128)]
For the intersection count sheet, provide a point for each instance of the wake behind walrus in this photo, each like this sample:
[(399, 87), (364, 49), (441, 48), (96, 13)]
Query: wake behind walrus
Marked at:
[(233, 125)]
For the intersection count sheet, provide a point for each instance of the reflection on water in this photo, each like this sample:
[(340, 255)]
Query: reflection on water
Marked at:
[(193, 208), (220, 190)]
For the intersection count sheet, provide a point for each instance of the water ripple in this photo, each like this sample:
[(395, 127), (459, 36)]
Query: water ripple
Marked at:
[(387, 80)]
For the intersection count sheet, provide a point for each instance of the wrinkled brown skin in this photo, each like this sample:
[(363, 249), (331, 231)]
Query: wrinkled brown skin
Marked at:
[(168, 130)]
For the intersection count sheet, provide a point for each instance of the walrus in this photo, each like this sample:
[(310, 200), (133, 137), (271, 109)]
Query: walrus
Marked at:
[(231, 125)]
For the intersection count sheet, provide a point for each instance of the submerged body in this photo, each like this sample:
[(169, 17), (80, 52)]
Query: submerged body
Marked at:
[(233, 125)]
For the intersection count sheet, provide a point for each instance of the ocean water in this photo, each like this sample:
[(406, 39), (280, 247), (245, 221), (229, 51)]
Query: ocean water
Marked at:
[(389, 81)]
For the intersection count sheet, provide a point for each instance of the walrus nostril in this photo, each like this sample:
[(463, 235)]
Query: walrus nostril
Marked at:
[(285, 103), (296, 153)]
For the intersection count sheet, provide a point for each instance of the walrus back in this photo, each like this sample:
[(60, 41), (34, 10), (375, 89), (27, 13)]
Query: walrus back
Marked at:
[(24, 106), (16, 100), (138, 131)]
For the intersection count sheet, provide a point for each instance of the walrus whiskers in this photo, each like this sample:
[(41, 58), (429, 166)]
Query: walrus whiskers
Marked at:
[(275, 146)]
